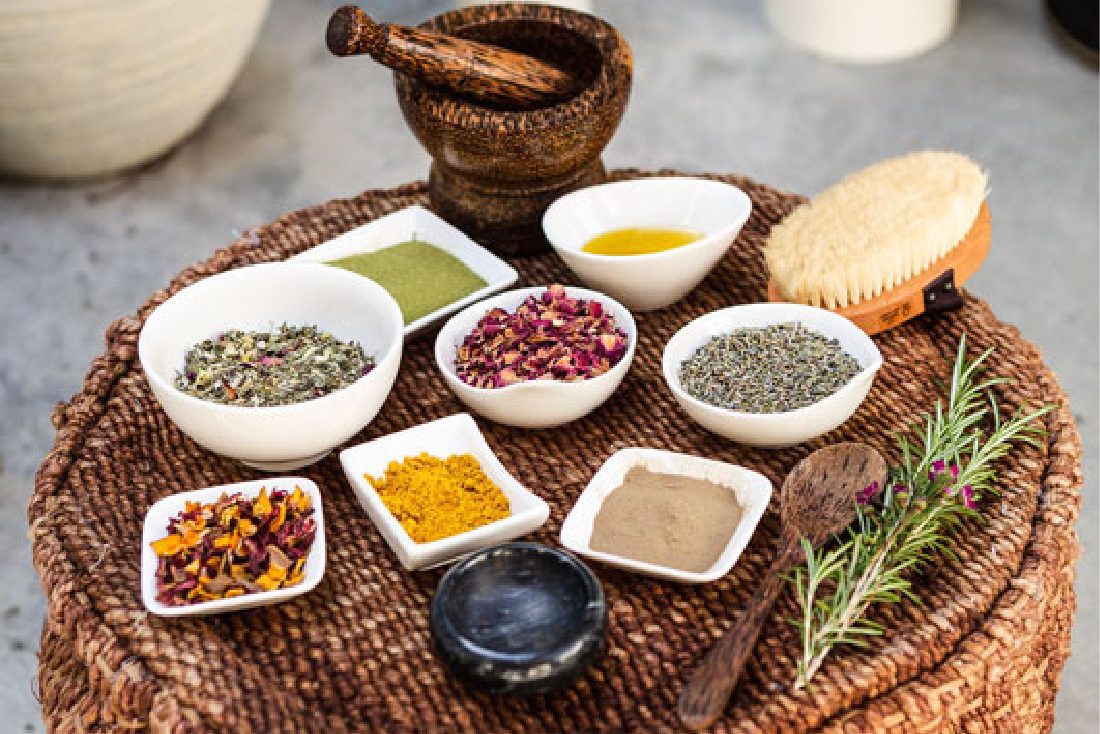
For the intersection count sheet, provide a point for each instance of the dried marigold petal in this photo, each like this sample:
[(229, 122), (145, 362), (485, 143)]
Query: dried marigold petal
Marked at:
[(268, 583), (280, 517), (169, 545), (262, 506), (300, 499)]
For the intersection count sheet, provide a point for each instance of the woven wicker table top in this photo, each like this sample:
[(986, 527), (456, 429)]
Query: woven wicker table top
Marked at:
[(984, 652)]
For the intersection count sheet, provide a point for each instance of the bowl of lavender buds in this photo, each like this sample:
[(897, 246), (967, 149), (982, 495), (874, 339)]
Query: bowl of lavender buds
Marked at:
[(273, 364), (770, 374), (537, 357)]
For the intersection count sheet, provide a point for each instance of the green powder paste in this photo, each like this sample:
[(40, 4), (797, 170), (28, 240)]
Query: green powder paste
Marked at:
[(421, 277)]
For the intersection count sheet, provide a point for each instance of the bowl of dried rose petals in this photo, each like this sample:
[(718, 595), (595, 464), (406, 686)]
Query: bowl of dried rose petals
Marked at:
[(232, 547), (537, 357)]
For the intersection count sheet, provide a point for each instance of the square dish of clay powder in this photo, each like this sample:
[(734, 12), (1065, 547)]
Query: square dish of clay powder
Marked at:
[(673, 516)]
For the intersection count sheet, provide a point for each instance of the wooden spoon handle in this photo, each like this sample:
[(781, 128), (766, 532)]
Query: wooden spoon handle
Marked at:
[(706, 694), (480, 70)]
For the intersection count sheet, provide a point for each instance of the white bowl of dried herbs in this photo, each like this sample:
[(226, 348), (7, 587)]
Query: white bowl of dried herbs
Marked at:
[(770, 374), (273, 364), (537, 357)]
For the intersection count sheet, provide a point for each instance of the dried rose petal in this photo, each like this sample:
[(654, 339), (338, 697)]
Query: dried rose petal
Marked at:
[(550, 336)]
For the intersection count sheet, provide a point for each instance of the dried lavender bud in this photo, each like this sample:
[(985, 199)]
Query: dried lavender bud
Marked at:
[(286, 365), (550, 336), (771, 369)]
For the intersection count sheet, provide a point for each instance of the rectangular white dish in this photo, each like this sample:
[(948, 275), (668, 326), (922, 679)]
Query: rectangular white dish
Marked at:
[(163, 510), (455, 434), (753, 491), (416, 222)]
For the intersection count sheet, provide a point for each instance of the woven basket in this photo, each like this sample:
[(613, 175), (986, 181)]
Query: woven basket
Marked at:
[(983, 653)]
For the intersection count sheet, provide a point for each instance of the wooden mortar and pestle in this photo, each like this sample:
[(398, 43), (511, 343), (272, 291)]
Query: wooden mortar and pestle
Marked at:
[(514, 103), (817, 501)]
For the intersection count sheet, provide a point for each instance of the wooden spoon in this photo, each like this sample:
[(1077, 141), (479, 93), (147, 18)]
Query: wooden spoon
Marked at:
[(818, 501), (468, 68)]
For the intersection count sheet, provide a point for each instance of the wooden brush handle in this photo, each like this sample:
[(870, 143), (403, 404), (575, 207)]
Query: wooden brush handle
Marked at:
[(705, 696), (469, 68)]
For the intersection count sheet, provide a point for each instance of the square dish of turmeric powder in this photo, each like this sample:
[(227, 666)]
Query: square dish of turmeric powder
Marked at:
[(232, 547), (437, 491)]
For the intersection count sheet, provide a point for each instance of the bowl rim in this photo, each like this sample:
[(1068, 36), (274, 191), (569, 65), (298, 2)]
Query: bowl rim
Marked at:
[(594, 595), (250, 488), (602, 91), (546, 386), (393, 348), (706, 240), (867, 372)]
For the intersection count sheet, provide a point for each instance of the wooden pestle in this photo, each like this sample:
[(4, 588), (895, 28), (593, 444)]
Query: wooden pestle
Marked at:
[(467, 68)]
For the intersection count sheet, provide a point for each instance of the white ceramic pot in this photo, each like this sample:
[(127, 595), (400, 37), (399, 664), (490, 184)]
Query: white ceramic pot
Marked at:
[(537, 403), (773, 430), (89, 87), (864, 31), (715, 210), (259, 297)]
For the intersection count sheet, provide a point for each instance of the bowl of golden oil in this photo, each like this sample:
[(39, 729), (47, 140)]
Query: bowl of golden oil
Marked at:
[(646, 242)]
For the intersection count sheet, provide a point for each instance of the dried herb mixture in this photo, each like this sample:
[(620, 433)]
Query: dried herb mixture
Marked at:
[(234, 546), (288, 364), (770, 369)]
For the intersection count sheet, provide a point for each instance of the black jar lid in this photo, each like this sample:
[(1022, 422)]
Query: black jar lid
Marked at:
[(518, 619)]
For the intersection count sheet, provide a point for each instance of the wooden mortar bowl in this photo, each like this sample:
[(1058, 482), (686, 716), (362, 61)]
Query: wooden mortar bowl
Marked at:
[(496, 170)]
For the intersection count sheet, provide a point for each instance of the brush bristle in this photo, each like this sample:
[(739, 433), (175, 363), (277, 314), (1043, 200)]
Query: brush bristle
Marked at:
[(876, 229)]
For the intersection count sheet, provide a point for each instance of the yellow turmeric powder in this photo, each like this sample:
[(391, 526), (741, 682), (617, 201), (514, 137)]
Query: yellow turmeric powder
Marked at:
[(436, 498)]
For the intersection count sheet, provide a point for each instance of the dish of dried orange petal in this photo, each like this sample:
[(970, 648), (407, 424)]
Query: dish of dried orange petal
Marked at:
[(233, 546)]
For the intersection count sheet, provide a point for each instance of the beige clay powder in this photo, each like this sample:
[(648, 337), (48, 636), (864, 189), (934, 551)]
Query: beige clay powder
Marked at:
[(667, 519)]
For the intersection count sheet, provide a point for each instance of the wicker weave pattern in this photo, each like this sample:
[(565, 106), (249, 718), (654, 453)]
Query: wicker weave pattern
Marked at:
[(983, 654)]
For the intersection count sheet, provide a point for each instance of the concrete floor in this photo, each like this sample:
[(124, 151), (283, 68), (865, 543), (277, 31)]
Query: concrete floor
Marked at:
[(714, 91)]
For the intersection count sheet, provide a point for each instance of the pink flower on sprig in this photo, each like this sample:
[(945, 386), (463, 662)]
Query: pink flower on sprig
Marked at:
[(868, 493), (968, 497)]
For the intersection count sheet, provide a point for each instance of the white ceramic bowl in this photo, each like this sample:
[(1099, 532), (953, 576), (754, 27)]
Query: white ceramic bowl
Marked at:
[(418, 222), (647, 282), (260, 297), (93, 86), (773, 430), (536, 403), (455, 434), (163, 510), (753, 491)]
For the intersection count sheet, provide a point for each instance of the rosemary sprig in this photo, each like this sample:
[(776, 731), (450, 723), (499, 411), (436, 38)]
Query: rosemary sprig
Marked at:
[(945, 468)]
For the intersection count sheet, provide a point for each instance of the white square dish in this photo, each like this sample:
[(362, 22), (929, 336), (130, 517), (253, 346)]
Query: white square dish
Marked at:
[(163, 510), (753, 491), (455, 434), (418, 222)]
